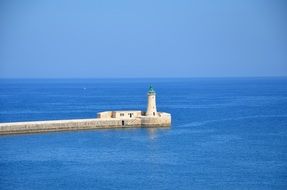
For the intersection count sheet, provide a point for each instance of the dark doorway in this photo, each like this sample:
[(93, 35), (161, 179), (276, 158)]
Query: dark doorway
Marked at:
[(123, 122), (153, 113)]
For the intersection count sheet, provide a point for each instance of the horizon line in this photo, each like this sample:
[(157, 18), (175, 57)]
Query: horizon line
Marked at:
[(86, 78)]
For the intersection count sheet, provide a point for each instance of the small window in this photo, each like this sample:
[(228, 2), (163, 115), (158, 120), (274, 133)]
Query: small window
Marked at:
[(153, 113), (122, 114), (123, 122)]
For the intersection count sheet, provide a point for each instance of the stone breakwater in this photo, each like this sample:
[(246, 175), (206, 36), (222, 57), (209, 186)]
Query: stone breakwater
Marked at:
[(83, 124)]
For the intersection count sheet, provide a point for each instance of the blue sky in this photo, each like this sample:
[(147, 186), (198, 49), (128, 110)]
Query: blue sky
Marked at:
[(145, 38)]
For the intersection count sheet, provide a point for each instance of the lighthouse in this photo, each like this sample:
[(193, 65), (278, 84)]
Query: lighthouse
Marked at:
[(151, 103)]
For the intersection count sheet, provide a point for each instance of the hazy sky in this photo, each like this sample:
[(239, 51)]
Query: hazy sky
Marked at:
[(142, 38)]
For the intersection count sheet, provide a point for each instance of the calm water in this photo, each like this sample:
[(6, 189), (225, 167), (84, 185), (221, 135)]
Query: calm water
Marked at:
[(226, 134)]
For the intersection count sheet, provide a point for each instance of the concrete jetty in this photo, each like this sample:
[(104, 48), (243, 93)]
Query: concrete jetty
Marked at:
[(104, 120)]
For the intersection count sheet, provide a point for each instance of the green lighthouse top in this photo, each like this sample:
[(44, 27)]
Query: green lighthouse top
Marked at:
[(151, 90)]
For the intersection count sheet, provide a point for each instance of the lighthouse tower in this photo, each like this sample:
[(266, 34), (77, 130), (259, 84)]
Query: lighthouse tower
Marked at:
[(151, 103)]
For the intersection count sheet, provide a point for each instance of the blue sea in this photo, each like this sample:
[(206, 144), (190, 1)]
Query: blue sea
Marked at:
[(226, 133)]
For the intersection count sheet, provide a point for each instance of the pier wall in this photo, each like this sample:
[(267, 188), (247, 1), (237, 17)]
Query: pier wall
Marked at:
[(82, 124)]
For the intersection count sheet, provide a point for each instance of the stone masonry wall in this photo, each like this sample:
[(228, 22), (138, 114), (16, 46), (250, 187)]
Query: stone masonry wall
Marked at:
[(82, 124)]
